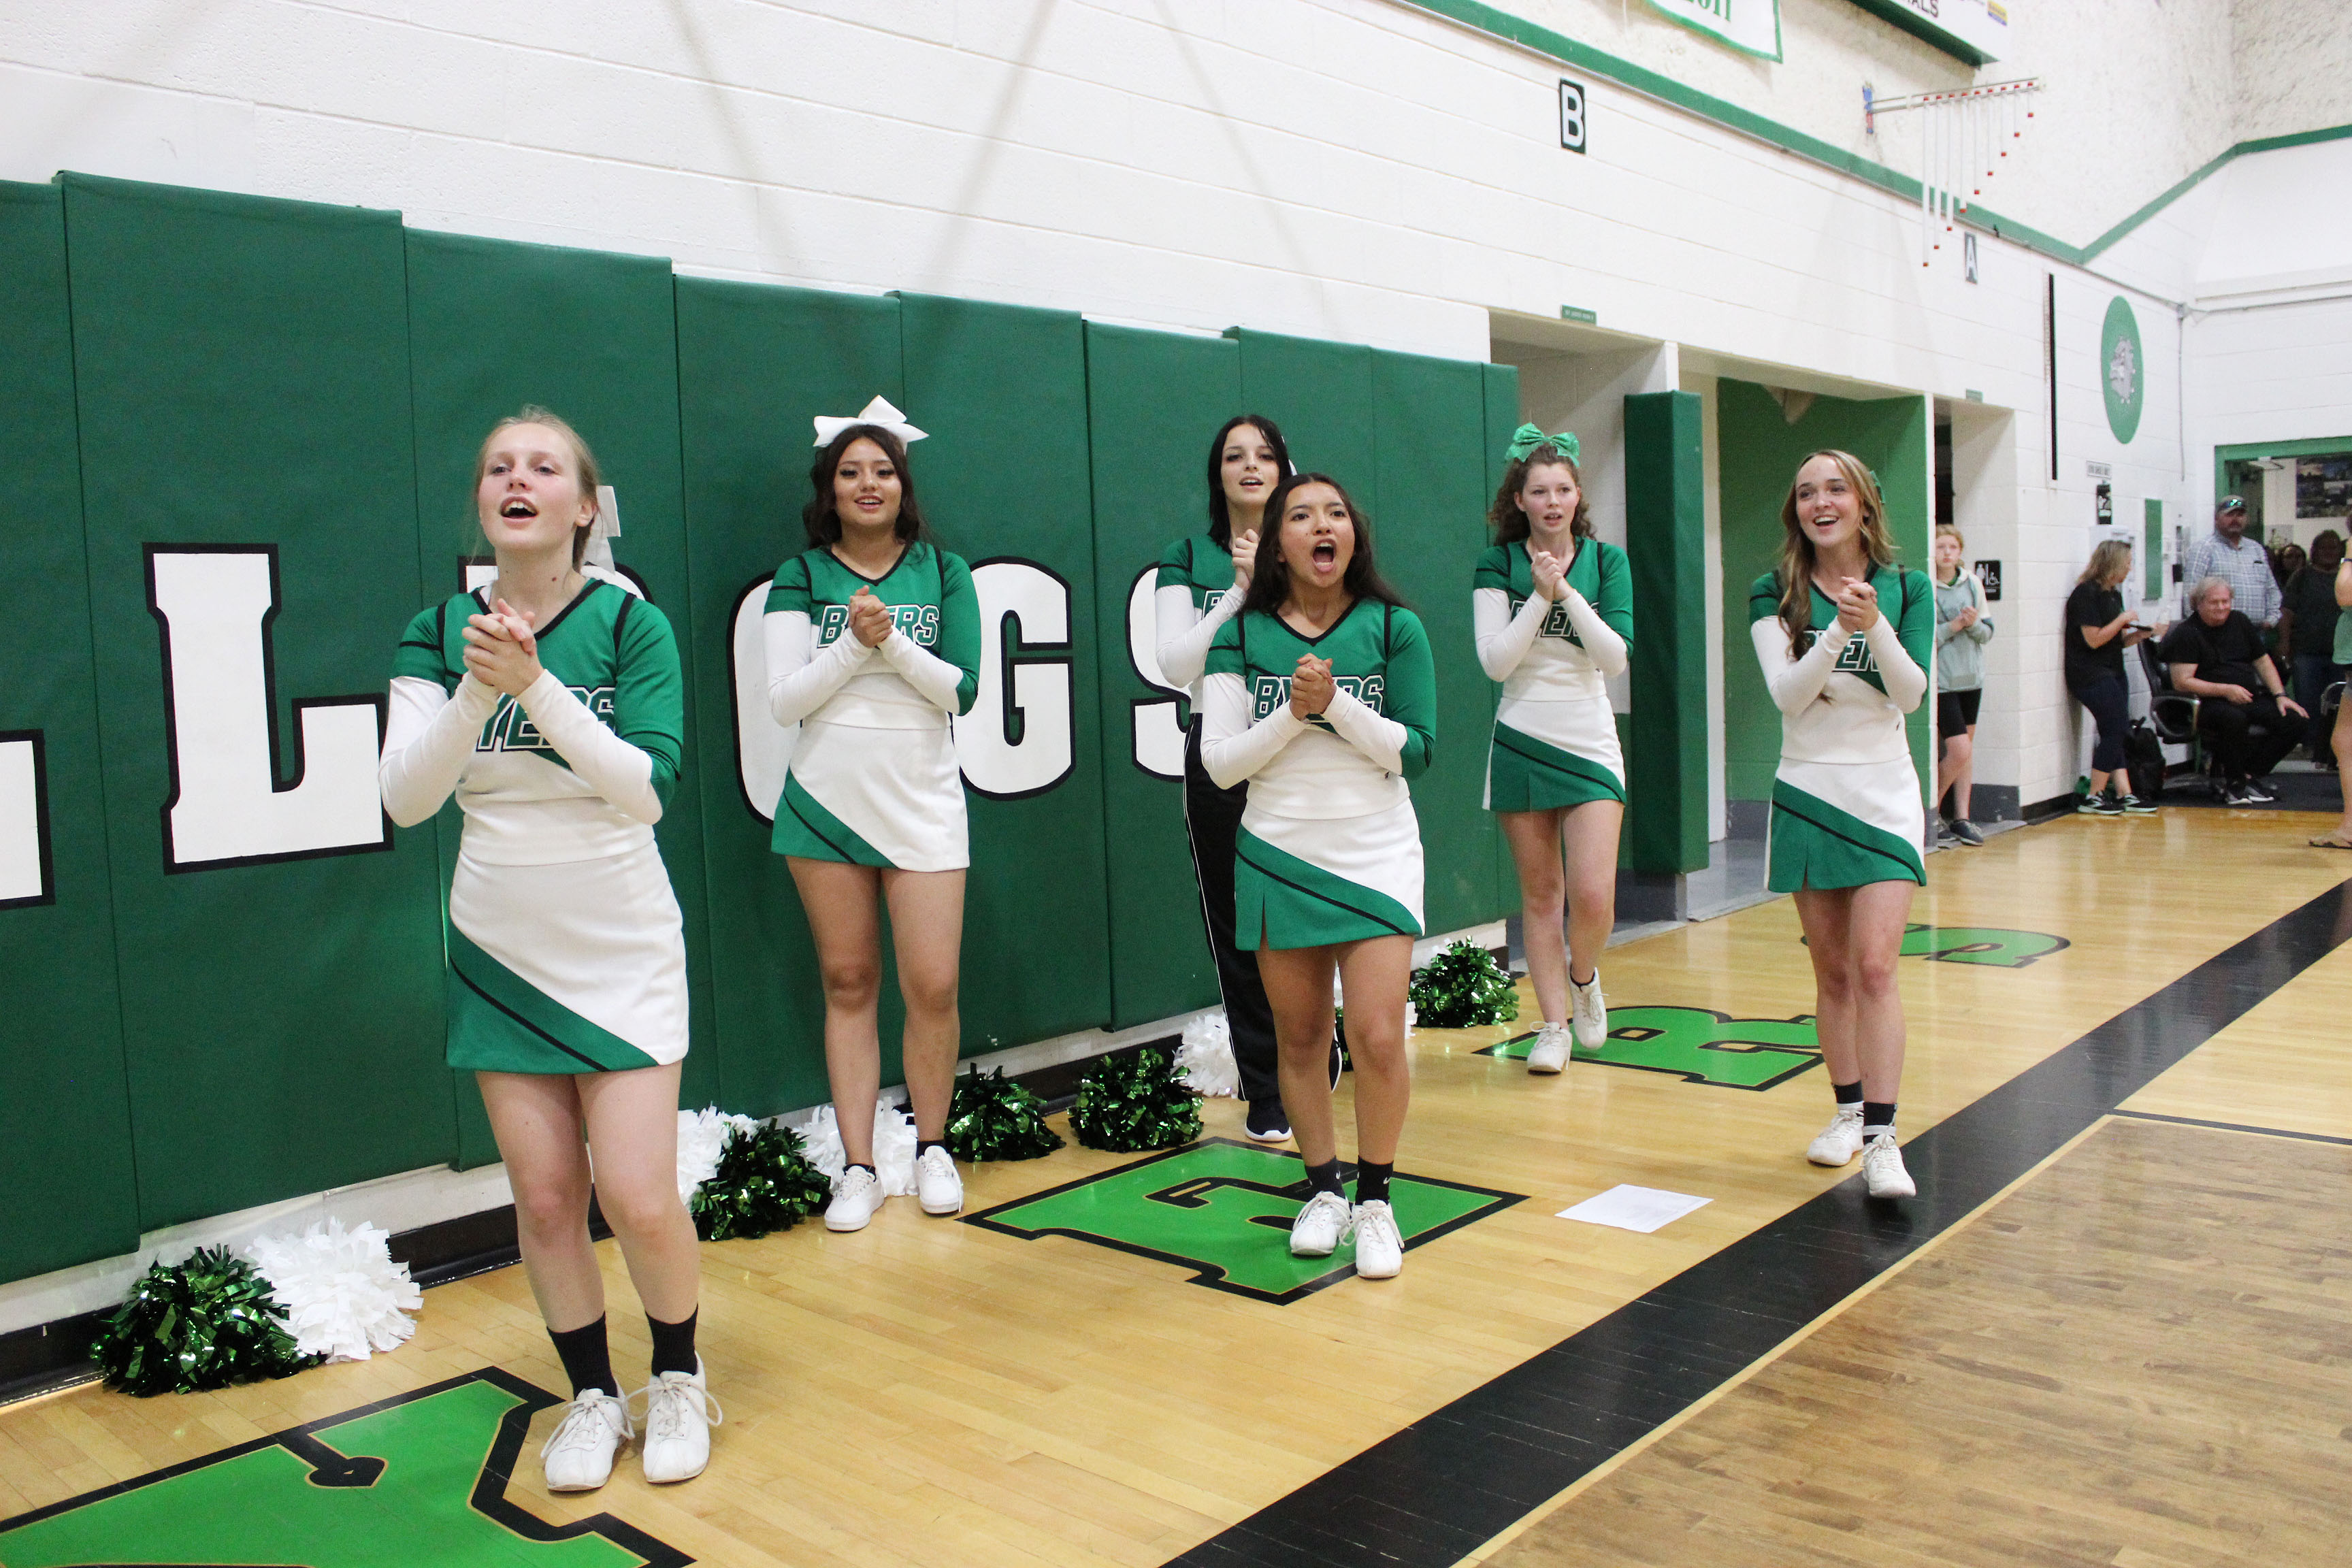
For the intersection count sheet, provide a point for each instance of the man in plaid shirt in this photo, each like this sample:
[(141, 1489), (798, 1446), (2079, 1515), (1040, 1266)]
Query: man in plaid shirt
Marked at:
[(2228, 553)]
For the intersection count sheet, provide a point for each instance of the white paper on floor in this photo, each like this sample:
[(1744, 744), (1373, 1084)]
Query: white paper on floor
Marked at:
[(1645, 1209)]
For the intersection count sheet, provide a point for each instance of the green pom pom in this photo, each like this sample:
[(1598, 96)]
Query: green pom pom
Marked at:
[(1129, 1103), (763, 1182), (207, 1323), (1461, 987), (993, 1118)]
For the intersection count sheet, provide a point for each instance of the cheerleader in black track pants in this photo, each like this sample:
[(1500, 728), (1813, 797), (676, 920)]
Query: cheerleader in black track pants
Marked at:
[(1203, 578)]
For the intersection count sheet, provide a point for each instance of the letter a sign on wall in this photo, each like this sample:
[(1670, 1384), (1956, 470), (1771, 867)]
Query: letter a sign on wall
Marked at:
[(235, 799), (1753, 25)]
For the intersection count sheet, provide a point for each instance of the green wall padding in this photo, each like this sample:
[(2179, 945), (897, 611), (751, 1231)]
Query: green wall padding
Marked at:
[(603, 357), (1429, 429), (756, 364), (1502, 418), (1757, 453), (1665, 541), (65, 1113), (1005, 475), (1321, 396), (1153, 401), (242, 376)]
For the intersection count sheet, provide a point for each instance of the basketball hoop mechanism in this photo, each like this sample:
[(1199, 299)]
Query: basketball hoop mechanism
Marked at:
[(1963, 137)]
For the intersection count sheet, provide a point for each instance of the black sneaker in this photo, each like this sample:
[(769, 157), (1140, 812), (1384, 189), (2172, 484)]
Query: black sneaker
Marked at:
[(2135, 806), (1968, 832), (2099, 805), (2256, 790), (2236, 793), (1267, 1121)]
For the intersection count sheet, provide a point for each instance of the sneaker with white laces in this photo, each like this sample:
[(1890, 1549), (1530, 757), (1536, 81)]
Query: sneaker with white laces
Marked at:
[(1319, 1226), (1882, 1168), (679, 1415), (1590, 1011), (578, 1454), (1549, 1053), (1379, 1245), (936, 1186), (1840, 1140), (855, 1196)]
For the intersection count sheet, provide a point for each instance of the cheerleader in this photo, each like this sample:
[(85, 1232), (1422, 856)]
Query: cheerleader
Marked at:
[(1321, 695), (1842, 634), (551, 703), (1200, 584), (873, 642), (1554, 615)]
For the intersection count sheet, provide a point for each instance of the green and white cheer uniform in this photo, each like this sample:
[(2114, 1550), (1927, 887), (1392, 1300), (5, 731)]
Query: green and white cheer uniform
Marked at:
[(1191, 600), (1555, 741), (873, 779), (1847, 808), (566, 950), (1330, 849)]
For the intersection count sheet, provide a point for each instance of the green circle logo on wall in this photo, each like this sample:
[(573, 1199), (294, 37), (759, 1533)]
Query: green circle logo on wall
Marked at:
[(2122, 368)]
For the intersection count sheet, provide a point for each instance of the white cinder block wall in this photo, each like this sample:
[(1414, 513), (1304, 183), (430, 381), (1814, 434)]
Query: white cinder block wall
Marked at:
[(1362, 170)]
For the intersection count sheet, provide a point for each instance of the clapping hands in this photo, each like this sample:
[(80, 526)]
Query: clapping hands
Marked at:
[(501, 650)]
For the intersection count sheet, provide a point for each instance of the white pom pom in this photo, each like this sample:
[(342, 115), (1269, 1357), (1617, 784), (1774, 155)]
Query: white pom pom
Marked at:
[(343, 1295), (1206, 1055), (701, 1139), (894, 1148)]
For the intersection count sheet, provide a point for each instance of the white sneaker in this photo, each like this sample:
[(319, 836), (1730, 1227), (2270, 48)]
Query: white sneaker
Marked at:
[(1840, 1140), (679, 1415), (1319, 1226), (1592, 1012), (578, 1454), (1882, 1167), (855, 1198), (936, 1186), (1549, 1053), (1379, 1245)]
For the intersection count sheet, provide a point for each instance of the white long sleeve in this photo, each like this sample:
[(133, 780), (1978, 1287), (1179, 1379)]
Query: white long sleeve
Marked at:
[(1905, 681), (1601, 643), (1182, 633), (798, 685), (1503, 638), (927, 672), (1379, 738), (1794, 682), (1232, 748), (428, 739), (620, 772)]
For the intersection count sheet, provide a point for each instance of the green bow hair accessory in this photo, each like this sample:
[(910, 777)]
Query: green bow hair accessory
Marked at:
[(1527, 438)]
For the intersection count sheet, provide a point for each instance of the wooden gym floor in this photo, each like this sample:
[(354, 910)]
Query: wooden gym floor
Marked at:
[(2114, 1328)]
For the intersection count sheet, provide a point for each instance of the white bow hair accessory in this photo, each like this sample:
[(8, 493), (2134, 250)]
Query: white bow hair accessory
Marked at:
[(877, 412), (605, 529)]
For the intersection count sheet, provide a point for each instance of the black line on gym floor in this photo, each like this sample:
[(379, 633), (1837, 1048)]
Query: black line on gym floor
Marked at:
[(2233, 1127), (1444, 1486)]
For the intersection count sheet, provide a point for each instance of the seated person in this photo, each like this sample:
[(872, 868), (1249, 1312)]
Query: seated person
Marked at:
[(2248, 719)]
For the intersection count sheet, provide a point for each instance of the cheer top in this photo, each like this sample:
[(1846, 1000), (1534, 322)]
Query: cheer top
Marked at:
[(577, 768), (1553, 652), (1844, 698), (925, 670), (1352, 759), (1192, 599)]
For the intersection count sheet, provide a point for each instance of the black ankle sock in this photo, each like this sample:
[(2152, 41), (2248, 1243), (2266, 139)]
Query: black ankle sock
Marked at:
[(858, 1165), (1848, 1093), (1372, 1181), (1877, 1117), (925, 1145), (673, 1344), (587, 1358), (1325, 1178)]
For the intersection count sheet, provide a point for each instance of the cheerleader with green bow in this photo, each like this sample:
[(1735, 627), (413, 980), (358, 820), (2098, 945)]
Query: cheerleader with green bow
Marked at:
[(1553, 609)]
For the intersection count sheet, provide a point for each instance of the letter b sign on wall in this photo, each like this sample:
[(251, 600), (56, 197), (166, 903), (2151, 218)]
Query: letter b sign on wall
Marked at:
[(234, 800)]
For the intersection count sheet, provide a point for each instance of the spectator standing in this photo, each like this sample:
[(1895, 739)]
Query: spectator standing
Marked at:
[(2307, 627), (2098, 629), (2244, 563), (2248, 719), (1962, 628), (2340, 835)]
